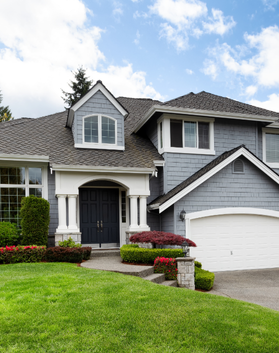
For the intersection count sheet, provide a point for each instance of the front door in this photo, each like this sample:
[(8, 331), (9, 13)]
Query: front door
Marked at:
[(99, 216)]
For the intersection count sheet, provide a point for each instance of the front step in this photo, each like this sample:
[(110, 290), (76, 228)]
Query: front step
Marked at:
[(104, 253), (170, 283), (155, 278)]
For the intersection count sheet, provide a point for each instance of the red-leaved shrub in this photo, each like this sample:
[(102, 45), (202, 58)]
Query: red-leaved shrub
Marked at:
[(15, 254), (166, 266), (160, 238)]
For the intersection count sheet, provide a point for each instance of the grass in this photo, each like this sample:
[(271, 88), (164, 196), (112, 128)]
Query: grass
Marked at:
[(54, 307)]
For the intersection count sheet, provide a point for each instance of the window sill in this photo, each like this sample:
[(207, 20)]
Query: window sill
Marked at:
[(99, 147), (187, 151)]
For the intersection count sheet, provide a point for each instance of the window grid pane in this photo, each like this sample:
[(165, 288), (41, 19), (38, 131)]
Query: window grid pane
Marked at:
[(36, 192), (203, 135), (91, 129), (176, 133), (12, 175), (272, 148), (108, 130), (10, 202), (190, 134)]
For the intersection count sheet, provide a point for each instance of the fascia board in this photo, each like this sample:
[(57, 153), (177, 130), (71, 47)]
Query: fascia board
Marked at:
[(23, 158), (89, 94), (241, 152), (82, 168), (200, 112), (159, 163)]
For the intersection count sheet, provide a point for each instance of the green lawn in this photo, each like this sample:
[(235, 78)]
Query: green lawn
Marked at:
[(52, 307)]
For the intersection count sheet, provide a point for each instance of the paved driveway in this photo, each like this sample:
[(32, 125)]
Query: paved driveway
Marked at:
[(254, 286)]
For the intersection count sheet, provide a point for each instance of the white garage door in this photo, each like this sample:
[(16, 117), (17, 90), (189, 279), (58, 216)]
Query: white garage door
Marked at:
[(235, 242)]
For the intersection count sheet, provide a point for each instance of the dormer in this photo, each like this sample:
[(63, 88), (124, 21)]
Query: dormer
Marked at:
[(97, 120)]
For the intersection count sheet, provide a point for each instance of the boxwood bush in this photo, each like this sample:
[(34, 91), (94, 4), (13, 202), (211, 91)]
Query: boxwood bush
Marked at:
[(34, 214), (203, 279), (132, 253), (9, 234)]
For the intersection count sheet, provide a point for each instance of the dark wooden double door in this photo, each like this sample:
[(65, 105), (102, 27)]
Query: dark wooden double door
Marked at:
[(99, 216)]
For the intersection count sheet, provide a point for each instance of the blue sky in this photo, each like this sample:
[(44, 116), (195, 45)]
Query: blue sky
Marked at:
[(160, 49)]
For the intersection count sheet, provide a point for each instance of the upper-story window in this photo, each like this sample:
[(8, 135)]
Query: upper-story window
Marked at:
[(186, 135), (99, 129), (271, 147)]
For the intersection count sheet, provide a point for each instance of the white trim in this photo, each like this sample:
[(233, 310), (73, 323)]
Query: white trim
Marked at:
[(264, 132), (92, 146), (241, 152), (23, 158), (83, 168), (200, 112), (165, 120), (232, 211), (159, 163), (98, 87)]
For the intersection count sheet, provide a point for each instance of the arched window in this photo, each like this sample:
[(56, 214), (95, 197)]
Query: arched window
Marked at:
[(100, 129)]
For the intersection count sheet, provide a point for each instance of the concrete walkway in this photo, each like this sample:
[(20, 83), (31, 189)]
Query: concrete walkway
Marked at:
[(114, 264), (254, 286)]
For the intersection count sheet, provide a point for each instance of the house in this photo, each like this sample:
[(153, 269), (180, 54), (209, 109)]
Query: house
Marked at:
[(202, 166)]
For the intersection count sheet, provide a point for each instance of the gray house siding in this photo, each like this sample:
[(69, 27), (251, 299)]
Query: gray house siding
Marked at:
[(253, 188), (98, 104), (228, 134), (154, 220), (167, 220), (53, 204)]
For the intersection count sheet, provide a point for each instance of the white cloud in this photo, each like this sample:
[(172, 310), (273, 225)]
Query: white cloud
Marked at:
[(269, 4), (179, 12), (42, 41), (251, 90), (136, 40), (271, 104), (189, 72), (117, 10), (174, 36), (210, 68), (123, 81), (218, 23), (184, 18), (261, 66)]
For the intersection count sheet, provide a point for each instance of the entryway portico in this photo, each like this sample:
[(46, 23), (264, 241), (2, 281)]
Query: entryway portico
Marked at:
[(131, 189)]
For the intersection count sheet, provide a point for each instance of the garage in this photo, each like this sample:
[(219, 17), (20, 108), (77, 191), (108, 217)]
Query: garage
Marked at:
[(234, 238)]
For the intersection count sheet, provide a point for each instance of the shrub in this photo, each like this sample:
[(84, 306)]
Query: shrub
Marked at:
[(160, 238), (64, 254), (8, 234), (69, 244), (15, 254), (34, 215), (203, 279), (198, 264), (141, 255), (166, 266)]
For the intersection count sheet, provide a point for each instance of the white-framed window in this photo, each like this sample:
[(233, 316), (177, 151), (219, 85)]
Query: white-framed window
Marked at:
[(186, 134), (99, 129), (271, 147), (17, 182)]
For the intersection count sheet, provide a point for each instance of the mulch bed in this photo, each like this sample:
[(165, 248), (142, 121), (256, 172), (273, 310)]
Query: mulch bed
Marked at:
[(135, 263)]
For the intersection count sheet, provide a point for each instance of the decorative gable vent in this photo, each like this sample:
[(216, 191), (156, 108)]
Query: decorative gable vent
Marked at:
[(238, 166)]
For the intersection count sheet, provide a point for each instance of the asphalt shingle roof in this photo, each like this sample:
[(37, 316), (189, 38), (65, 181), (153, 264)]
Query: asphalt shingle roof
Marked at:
[(212, 102), (48, 136), (163, 198)]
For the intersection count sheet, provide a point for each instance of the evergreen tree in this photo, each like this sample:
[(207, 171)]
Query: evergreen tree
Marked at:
[(80, 87), (5, 113)]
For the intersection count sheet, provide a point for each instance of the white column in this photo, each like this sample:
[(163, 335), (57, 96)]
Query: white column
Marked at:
[(143, 210), (72, 213), (134, 213), (62, 226)]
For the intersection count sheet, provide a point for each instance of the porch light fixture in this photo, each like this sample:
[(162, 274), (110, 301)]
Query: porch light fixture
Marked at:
[(182, 215), (185, 248)]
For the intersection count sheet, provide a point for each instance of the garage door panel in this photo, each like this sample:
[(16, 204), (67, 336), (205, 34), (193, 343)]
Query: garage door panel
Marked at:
[(235, 242)]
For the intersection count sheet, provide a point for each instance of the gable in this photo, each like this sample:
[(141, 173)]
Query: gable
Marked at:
[(98, 104), (190, 184)]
